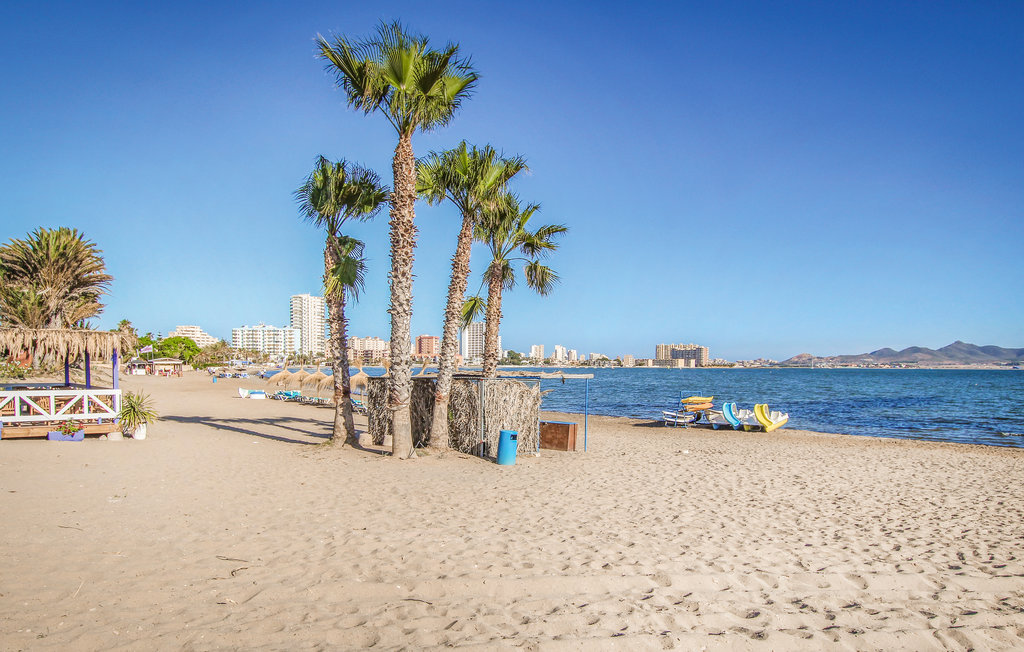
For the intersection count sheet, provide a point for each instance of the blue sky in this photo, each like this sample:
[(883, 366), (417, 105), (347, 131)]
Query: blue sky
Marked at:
[(762, 178)]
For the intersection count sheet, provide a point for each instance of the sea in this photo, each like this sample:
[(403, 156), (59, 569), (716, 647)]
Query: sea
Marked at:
[(952, 405)]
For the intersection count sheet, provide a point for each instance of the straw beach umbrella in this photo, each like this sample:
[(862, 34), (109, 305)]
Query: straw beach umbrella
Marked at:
[(280, 376), (325, 383), (358, 381), (295, 379), (314, 380)]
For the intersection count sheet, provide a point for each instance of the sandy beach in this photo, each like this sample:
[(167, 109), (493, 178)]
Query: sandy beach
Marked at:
[(231, 527)]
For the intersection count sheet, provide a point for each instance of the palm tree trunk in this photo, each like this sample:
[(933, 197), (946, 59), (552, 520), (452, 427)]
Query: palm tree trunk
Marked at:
[(491, 352), (342, 377), (403, 242), (344, 431), (439, 436)]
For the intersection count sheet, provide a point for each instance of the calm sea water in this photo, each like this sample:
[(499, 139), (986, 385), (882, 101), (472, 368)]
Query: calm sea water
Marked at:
[(967, 406)]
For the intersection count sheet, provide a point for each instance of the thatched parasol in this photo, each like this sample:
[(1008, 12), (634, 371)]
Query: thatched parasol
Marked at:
[(314, 380), (280, 377), (295, 379), (55, 343), (358, 380), (326, 384)]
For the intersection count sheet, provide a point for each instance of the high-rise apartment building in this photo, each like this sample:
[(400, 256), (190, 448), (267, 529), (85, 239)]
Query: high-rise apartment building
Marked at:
[(574, 355), (537, 352), (194, 333), (428, 346), (472, 341), (560, 354), (692, 355), (368, 350), (267, 339), (309, 315)]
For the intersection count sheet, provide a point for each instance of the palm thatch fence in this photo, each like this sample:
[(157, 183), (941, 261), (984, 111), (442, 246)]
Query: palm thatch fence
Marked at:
[(479, 409)]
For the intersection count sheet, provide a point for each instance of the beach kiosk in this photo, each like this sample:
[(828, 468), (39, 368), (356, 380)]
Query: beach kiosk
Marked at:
[(33, 409), (166, 367)]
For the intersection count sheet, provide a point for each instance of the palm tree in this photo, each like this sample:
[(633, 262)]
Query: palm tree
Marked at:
[(416, 88), (472, 179), (332, 194), (505, 232), (52, 279), (129, 337)]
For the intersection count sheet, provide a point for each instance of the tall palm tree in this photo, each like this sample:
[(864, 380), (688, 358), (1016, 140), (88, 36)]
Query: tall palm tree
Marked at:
[(54, 278), (505, 232), (332, 194), (473, 179), (416, 88)]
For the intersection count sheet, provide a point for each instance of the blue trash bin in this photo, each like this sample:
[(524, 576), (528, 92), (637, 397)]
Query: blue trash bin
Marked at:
[(508, 443), (214, 379)]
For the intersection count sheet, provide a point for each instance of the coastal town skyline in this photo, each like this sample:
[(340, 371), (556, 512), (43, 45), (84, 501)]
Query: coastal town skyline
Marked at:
[(829, 179)]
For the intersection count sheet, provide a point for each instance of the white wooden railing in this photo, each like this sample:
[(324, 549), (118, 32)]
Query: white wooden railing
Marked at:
[(39, 405)]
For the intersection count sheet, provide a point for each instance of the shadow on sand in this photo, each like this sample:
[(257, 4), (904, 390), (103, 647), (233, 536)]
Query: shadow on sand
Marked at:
[(276, 428)]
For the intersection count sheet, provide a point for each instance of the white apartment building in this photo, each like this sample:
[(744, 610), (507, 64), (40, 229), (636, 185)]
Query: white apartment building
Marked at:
[(309, 315), (574, 355), (194, 333), (366, 350), (561, 354), (628, 360), (537, 352), (271, 340), (471, 340)]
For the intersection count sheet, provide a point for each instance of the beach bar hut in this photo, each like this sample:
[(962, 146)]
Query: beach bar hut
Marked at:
[(165, 367), (33, 409)]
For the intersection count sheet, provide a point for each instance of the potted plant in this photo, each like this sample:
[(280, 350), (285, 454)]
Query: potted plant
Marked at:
[(135, 414), (69, 430)]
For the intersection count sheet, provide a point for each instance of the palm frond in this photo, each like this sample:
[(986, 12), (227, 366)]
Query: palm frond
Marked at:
[(397, 72), (349, 270), (473, 308), (541, 278)]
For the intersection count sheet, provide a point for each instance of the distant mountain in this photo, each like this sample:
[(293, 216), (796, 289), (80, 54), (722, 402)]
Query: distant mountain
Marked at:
[(956, 353)]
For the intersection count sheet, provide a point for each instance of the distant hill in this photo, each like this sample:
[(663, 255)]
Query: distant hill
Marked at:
[(956, 353)]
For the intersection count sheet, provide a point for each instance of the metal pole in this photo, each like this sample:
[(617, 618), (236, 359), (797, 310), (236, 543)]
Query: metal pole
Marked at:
[(116, 383), (586, 414), (67, 370), (88, 371)]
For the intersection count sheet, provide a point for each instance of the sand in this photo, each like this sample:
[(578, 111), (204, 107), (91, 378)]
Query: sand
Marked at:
[(230, 527)]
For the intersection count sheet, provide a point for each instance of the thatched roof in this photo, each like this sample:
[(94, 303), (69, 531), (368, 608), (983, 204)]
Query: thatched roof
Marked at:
[(58, 342), (313, 379), (279, 377), (295, 379)]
